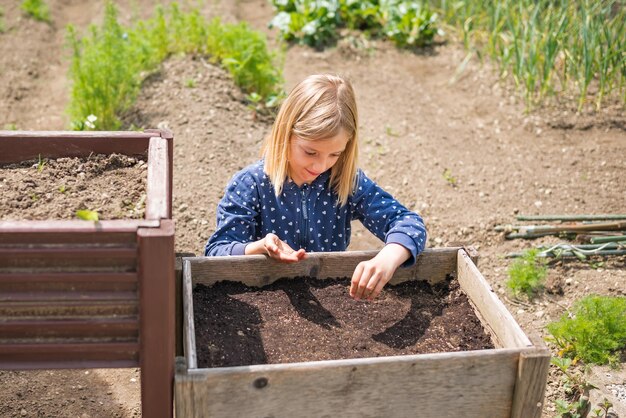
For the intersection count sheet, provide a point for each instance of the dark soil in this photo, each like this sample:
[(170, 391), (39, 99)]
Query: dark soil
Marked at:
[(113, 185), (309, 319)]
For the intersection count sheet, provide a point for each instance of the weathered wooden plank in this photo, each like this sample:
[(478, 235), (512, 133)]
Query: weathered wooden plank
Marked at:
[(178, 285), (17, 146), (38, 257), (86, 328), (495, 316), (530, 384), (61, 226), (433, 265), (68, 282), (62, 309), (158, 199), (478, 383), (189, 334), (77, 355), (156, 268), (61, 295)]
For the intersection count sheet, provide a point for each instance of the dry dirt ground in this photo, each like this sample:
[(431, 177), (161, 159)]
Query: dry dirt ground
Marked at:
[(418, 119)]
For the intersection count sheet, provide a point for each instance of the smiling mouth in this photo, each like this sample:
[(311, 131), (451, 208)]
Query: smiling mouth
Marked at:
[(312, 173)]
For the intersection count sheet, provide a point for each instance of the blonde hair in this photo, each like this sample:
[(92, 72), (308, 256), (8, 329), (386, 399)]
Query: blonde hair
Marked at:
[(316, 109)]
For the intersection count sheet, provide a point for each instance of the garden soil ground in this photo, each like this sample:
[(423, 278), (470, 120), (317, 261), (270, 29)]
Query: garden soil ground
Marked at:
[(420, 118), (309, 319)]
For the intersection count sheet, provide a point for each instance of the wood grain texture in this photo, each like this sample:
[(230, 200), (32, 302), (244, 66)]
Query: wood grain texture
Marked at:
[(471, 384), (492, 311), (530, 384), (189, 334), (17, 146), (75, 355), (156, 295), (158, 196), (433, 265)]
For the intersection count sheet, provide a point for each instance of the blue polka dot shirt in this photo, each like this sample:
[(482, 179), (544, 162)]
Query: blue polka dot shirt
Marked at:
[(308, 216)]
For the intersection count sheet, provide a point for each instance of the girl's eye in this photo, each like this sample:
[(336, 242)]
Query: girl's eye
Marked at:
[(309, 153)]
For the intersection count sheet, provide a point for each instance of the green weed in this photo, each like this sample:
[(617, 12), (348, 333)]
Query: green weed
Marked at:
[(110, 63), (87, 215), (190, 83), (2, 28), (40, 164), (595, 330), (526, 275), (37, 9), (62, 188), (448, 177)]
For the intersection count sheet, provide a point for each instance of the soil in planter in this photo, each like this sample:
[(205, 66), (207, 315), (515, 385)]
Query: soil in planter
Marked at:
[(304, 319), (113, 185)]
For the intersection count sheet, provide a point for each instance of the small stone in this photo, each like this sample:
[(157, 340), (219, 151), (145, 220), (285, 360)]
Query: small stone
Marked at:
[(23, 412), (538, 203), (520, 311), (241, 334), (539, 314), (133, 380), (568, 281), (438, 240)]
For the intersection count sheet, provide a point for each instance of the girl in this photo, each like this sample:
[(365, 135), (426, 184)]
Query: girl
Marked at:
[(306, 190)]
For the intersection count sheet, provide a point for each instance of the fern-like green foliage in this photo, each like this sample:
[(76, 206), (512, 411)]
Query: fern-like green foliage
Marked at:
[(106, 73), (37, 9), (594, 332), (527, 275), (109, 65)]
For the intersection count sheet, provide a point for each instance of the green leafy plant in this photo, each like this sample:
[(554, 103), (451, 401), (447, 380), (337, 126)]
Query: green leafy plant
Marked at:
[(62, 188), (576, 389), (409, 23), (87, 215), (527, 274), (594, 331), (109, 65), (190, 83), (37, 9), (317, 22)]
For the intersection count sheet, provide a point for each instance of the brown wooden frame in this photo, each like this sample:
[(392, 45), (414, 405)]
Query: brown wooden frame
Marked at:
[(508, 381), (80, 294)]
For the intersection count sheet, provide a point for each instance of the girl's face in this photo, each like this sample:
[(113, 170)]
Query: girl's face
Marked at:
[(309, 159)]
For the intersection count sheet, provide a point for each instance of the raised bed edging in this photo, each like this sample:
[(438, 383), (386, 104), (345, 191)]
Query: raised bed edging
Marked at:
[(508, 381), (77, 294)]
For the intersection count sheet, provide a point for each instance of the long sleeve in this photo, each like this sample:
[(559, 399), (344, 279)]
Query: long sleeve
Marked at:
[(386, 218), (237, 214)]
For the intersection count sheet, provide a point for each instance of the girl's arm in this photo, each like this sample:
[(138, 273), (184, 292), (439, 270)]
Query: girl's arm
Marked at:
[(371, 276)]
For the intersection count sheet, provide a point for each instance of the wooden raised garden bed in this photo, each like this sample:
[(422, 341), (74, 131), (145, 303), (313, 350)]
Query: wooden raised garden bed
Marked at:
[(506, 381), (82, 294)]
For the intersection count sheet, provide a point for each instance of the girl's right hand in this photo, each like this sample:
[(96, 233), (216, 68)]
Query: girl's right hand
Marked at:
[(275, 248)]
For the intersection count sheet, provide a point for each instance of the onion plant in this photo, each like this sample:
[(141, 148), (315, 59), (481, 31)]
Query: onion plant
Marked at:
[(548, 47)]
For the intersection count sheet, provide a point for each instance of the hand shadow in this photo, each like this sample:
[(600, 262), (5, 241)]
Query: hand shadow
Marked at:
[(227, 329), (307, 305), (412, 327)]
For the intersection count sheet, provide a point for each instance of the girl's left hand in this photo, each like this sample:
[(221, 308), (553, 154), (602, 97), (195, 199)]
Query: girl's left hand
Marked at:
[(371, 276)]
